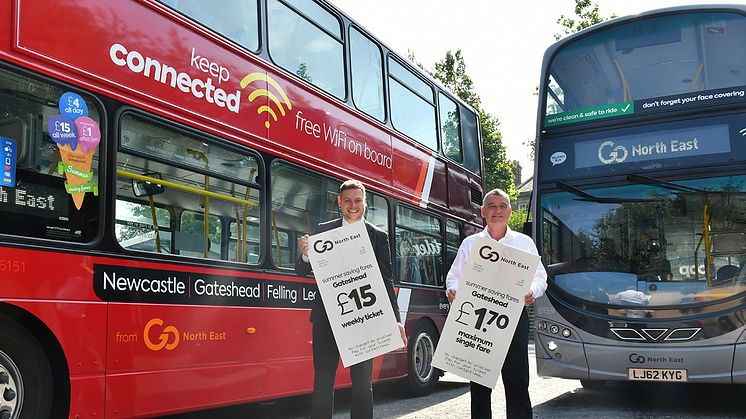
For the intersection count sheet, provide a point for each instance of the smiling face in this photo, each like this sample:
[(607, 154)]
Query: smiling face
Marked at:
[(352, 204), (496, 210)]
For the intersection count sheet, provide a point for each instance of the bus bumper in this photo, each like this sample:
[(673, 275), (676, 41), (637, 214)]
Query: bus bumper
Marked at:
[(576, 360)]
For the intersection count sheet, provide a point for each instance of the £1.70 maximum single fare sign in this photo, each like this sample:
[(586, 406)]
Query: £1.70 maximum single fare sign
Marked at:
[(485, 313)]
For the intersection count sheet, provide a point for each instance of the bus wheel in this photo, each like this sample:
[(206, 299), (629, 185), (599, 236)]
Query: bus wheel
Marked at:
[(422, 376), (593, 385), (25, 374)]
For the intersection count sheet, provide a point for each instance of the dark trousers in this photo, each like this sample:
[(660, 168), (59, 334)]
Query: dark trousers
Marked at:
[(515, 379), (325, 362)]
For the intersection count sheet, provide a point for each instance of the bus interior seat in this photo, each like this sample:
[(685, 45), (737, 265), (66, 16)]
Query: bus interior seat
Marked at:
[(726, 275)]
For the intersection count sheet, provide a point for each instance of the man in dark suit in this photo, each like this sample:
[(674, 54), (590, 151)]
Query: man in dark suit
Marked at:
[(352, 205)]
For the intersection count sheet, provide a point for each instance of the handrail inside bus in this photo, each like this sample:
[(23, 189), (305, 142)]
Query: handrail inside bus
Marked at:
[(190, 189), (625, 85)]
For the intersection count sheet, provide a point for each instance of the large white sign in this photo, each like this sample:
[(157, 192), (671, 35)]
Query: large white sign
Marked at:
[(485, 313), (353, 293)]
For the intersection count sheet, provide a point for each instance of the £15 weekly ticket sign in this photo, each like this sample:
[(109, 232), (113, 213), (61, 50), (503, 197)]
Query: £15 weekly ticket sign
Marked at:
[(485, 313), (353, 293)]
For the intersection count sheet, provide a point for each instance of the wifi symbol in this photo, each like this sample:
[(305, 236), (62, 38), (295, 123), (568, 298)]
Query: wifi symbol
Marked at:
[(249, 78), (743, 132)]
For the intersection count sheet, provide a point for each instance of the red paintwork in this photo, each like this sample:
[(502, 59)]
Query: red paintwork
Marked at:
[(113, 372)]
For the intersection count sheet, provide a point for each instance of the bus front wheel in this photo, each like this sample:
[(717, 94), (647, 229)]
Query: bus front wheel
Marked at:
[(422, 376), (593, 385), (25, 374)]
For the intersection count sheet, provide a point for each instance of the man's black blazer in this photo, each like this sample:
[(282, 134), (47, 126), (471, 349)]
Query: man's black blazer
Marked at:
[(379, 239)]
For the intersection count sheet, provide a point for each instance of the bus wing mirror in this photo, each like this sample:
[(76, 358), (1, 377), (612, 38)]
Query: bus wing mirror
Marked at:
[(147, 188)]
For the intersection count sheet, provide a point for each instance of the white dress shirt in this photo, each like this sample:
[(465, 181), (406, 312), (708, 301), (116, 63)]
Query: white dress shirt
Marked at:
[(513, 239)]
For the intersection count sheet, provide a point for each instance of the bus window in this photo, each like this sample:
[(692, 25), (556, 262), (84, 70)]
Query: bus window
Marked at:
[(419, 259), (205, 192), (301, 199), (412, 105), (244, 239), (450, 128), (134, 227), (650, 59), (378, 211), (306, 40), (367, 75), (190, 238), (39, 172), (454, 237), (237, 21), (471, 142)]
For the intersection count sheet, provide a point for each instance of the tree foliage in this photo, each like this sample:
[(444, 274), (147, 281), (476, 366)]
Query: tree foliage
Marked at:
[(451, 72), (586, 15)]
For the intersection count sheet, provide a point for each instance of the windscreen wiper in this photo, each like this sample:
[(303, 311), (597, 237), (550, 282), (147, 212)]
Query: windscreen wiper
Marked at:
[(670, 185), (584, 196)]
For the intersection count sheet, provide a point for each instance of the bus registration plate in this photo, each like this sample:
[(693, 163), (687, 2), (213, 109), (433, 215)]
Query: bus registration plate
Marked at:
[(656, 374)]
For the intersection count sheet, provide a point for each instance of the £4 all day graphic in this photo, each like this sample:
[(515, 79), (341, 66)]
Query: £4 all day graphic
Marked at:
[(77, 136)]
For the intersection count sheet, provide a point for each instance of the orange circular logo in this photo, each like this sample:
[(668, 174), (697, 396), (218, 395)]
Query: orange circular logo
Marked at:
[(163, 338)]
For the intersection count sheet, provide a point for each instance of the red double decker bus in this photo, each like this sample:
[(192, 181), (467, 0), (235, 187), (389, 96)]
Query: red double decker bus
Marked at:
[(161, 160)]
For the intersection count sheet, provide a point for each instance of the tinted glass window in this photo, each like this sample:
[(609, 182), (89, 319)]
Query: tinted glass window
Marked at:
[(183, 194), (450, 128), (641, 245), (412, 107), (419, 257), (651, 58), (367, 75), (237, 21), (312, 50), (301, 200), (470, 130), (454, 237), (49, 188)]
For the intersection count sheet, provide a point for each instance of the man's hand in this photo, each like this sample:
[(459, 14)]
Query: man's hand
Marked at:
[(529, 298), (303, 244), (403, 335), (451, 295)]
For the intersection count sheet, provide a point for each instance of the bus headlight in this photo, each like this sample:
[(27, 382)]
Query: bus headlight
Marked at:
[(566, 333), (551, 345), (554, 329), (542, 325)]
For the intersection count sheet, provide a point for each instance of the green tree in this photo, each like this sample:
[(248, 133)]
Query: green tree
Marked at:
[(586, 15), (517, 219), (451, 72)]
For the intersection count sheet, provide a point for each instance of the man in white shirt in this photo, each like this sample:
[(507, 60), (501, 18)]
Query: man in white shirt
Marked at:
[(496, 211)]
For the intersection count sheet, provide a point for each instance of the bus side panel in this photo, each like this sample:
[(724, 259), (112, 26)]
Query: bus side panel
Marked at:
[(80, 328), (739, 364), (202, 355), (32, 274), (289, 354)]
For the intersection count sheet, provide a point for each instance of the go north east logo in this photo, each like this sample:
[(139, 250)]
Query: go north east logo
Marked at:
[(265, 80), (168, 338), (608, 153)]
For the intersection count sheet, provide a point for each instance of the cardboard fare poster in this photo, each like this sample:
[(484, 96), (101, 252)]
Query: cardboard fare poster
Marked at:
[(353, 293), (485, 313)]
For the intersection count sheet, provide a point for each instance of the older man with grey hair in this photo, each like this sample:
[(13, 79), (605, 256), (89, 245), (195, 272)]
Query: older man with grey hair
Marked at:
[(496, 211)]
